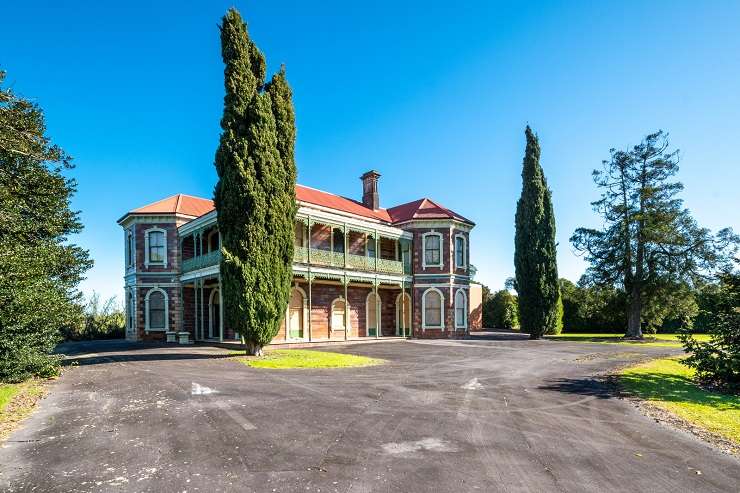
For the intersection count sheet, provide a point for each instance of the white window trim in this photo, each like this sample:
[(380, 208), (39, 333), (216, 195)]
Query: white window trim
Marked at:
[(130, 249), (131, 311), (424, 264), (424, 310), (147, 263), (331, 315), (464, 250), (379, 313), (304, 299), (464, 325), (166, 311)]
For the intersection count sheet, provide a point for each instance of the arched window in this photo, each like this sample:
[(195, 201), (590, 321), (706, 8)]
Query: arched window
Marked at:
[(156, 310), (461, 310), (432, 303), (130, 312)]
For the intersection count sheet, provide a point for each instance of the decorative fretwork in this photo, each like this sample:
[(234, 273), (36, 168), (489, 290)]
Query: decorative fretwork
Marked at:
[(390, 266), (300, 255)]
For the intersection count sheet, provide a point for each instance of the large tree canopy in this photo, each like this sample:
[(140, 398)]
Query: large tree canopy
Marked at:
[(255, 194), (535, 260), (650, 246), (39, 267)]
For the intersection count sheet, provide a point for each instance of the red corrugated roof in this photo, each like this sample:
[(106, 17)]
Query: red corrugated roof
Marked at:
[(418, 209), (339, 203)]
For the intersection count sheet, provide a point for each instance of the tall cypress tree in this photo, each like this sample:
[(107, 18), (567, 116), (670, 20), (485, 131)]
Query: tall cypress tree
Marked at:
[(255, 194), (535, 251)]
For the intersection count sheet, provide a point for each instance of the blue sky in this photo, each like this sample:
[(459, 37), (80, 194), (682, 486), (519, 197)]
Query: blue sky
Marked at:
[(433, 95)]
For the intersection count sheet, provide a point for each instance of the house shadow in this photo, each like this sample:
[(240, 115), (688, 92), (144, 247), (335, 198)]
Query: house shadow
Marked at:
[(97, 352)]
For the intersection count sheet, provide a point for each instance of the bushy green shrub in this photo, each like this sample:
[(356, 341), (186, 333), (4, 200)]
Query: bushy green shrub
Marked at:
[(500, 310), (717, 362), (101, 320)]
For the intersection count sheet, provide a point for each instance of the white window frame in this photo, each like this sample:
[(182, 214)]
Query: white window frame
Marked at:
[(147, 328), (464, 325), (147, 262), (130, 249), (131, 311), (424, 324), (424, 237), (464, 251), (348, 320)]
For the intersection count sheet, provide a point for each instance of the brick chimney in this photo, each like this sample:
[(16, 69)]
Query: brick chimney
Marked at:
[(370, 197)]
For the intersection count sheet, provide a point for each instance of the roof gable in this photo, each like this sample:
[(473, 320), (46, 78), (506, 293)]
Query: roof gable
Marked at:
[(423, 209)]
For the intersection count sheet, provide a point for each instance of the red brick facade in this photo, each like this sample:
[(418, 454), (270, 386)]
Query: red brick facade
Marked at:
[(191, 286)]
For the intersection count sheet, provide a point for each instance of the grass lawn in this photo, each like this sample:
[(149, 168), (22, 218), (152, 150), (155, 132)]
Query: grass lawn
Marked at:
[(659, 340), (667, 384), (17, 400), (303, 358)]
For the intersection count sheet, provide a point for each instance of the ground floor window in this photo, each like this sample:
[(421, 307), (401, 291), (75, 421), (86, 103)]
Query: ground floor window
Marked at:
[(432, 303), (461, 310), (156, 310), (338, 309)]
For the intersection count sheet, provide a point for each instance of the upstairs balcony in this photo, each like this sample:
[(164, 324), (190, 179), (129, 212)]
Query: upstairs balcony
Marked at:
[(317, 243)]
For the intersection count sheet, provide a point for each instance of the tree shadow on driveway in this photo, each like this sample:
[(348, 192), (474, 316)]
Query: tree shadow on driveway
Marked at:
[(600, 387)]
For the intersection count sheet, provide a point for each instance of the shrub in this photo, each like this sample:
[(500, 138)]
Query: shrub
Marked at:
[(717, 362), (500, 310), (100, 321)]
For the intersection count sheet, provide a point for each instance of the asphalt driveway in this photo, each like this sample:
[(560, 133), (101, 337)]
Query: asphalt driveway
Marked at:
[(493, 414)]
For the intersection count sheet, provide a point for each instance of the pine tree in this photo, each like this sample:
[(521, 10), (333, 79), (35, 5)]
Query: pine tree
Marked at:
[(535, 250), (650, 245), (255, 194), (40, 268)]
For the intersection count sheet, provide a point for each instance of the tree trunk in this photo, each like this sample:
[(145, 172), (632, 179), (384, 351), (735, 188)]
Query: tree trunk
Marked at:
[(253, 349), (634, 326)]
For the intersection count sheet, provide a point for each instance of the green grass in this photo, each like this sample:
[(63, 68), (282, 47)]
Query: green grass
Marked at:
[(658, 340), (668, 384), (303, 358), (17, 401)]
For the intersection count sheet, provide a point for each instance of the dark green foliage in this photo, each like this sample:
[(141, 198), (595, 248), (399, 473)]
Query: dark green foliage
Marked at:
[(650, 244), (592, 308), (717, 362), (102, 320), (500, 310), (39, 267), (255, 194), (535, 249)]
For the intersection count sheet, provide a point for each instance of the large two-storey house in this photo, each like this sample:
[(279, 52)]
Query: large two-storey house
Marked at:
[(359, 270)]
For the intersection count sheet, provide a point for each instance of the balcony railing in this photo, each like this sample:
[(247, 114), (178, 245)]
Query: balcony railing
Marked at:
[(358, 262), (201, 261)]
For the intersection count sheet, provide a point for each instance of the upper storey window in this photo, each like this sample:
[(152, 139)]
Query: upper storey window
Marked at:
[(432, 250), (129, 248), (155, 247), (460, 251)]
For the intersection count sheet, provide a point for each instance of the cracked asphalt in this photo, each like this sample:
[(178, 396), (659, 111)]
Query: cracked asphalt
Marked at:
[(495, 413)]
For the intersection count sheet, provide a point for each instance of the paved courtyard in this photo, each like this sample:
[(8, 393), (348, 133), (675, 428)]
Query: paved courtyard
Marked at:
[(497, 413)]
